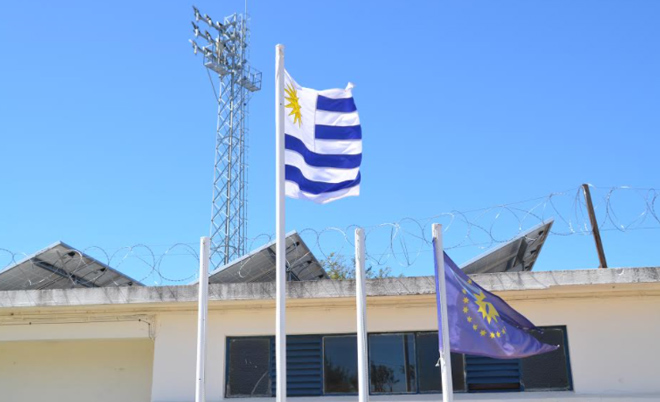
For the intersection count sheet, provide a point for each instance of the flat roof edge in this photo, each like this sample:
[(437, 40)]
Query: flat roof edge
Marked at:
[(407, 286)]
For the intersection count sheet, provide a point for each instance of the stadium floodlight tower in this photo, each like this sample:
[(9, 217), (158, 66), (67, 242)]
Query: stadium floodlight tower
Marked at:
[(225, 53)]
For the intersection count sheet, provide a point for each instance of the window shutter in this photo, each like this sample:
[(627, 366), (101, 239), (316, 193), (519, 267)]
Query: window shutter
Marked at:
[(486, 374), (304, 368), (304, 365)]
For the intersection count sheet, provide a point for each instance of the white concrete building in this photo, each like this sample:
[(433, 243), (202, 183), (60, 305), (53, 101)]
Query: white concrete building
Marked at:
[(138, 343)]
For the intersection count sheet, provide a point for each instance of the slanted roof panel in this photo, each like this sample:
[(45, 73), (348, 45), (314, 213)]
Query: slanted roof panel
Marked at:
[(259, 265), (60, 266), (516, 255)]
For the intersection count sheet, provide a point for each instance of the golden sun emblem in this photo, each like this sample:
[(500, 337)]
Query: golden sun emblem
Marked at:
[(294, 104), (486, 309)]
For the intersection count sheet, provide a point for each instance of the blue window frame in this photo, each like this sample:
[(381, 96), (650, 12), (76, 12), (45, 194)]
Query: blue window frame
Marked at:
[(399, 363), (427, 358), (248, 367), (340, 365), (547, 372), (392, 364)]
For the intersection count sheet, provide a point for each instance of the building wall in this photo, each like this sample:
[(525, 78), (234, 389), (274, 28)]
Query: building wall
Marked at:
[(76, 371), (613, 341), (142, 352)]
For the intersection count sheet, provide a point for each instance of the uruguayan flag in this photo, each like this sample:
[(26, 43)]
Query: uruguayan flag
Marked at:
[(323, 142)]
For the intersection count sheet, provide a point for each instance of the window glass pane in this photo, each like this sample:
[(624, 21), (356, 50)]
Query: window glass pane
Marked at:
[(249, 361), (392, 363), (340, 364), (427, 357), (550, 370)]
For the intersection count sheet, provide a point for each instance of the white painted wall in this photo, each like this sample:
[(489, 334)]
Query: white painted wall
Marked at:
[(50, 331), (76, 371), (613, 341)]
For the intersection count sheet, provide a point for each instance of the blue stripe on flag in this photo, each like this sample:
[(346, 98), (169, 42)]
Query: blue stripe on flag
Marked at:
[(338, 132), (345, 105), (294, 174), (319, 160)]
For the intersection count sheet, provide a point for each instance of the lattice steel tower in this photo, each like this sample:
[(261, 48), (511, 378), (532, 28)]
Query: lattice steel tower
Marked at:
[(225, 54)]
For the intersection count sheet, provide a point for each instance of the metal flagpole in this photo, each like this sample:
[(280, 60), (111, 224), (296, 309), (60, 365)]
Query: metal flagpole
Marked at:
[(445, 353), (202, 314), (361, 296), (280, 250)]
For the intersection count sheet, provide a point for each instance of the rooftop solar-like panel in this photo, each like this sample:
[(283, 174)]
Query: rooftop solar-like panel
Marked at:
[(259, 265), (516, 255), (60, 266)]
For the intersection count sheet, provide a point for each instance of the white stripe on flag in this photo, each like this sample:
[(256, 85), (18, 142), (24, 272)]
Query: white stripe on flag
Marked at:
[(338, 147), (293, 191), (337, 118), (337, 93), (322, 174), (330, 147)]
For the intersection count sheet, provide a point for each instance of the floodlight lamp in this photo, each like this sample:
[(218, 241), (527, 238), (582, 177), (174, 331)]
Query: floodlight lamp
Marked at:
[(194, 45), (195, 29), (198, 15), (208, 36), (208, 19)]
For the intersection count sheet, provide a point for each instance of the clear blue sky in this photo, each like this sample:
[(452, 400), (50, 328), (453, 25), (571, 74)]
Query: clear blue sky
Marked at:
[(107, 119)]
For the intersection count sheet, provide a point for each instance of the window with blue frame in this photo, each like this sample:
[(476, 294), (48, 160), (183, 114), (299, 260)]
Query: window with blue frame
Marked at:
[(399, 363), (426, 345), (340, 364), (392, 365), (248, 362), (547, 372)]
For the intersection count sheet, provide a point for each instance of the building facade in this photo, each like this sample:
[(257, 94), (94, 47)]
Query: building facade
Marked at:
[(139, 343)]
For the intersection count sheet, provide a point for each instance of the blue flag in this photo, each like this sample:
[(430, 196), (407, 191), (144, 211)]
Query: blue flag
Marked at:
[(481, 323)]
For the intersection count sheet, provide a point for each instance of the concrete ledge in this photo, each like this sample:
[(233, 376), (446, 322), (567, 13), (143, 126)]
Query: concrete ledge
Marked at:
[(635, 279)]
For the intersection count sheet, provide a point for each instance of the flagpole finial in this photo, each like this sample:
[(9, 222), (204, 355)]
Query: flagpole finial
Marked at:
[(437, 230)]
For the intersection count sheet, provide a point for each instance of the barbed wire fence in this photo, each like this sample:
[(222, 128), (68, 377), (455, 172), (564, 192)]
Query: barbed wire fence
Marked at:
[(398, 245)]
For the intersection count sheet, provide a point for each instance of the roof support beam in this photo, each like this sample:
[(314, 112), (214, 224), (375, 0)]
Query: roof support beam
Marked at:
[(64, 274), (289, 269)]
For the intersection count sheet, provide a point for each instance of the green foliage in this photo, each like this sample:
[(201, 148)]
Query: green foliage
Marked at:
[(337, 268)]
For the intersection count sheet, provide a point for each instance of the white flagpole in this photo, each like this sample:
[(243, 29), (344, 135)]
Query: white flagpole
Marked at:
[(202, 314), (280, 248), (445, 354), (361, 296)]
